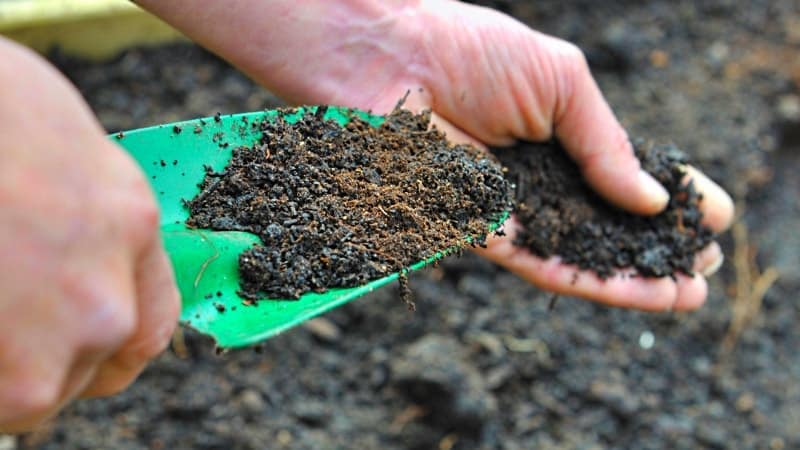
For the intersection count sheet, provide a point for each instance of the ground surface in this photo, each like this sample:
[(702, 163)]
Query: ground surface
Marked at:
[(720, 80)]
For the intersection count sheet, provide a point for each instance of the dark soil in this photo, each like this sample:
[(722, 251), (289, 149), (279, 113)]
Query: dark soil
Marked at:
[(339, 206), (483, 363), (561, 215)]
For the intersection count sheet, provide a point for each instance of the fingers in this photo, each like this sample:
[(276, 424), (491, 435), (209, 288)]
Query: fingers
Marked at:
[(622, 290), (709, 260), (691, 292), (157, 311), (45, 370), (454, 134), (649, 294), (586, 126), (29, 388), (717, 205)]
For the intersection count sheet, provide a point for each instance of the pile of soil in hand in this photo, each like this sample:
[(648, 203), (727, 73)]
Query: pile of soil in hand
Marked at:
[(339, 206), (561, 215)]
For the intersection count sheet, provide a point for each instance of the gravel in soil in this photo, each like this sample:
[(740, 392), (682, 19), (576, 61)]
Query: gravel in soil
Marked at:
[(561, 215), (579, 376), (339, 206)]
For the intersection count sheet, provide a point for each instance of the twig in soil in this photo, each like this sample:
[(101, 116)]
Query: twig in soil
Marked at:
[(751, 287), (402, 100), (448, 442), (208, 261), (405, 291), (206, 191), (553, 299), (179, 344), (408, 415)]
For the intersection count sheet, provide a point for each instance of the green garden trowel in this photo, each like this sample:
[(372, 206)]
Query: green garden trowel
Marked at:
[(174, 158)]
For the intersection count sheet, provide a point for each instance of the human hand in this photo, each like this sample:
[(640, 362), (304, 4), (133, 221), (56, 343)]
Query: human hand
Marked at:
[(487, 78), (87, 295)]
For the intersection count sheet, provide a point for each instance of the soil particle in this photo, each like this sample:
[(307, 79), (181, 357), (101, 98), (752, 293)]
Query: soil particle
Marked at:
[(616, 396), (339, 206), (561, 215), (195, 398), (323, 329), (712, 433), (434, 372), (311, 413), (252, 402)]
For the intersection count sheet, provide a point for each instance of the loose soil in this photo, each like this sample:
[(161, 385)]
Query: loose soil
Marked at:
[(579, 376), (561, 215), (339, 206)]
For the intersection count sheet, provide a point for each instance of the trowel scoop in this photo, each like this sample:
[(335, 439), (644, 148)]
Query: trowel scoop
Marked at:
[(175, 158)]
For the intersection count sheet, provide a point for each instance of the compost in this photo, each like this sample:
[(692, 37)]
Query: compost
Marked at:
[(561, 215), (339, 206)]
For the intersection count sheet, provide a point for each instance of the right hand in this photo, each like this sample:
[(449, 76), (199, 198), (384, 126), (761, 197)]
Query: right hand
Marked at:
[(87, 294), (487, 78)]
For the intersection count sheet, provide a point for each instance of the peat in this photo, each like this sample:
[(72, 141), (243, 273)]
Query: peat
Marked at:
[(339, 206), (561, 215)]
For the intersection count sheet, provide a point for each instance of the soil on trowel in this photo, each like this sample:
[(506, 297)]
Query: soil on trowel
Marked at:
[(561, 215), (339, 206)]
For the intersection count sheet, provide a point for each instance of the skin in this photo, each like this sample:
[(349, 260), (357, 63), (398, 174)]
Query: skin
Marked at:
[(90, 230), (88, 295)]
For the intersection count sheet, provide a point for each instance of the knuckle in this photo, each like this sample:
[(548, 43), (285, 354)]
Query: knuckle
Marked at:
[(150, 346), (118, 323), (29, 398), (108, 316), (571, 55), (575, 55), (149, 342), (144, 215), (617, 158), (569, 74), (112, 324)]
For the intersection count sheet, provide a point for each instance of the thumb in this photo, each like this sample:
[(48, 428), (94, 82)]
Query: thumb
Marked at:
[(588, 130)]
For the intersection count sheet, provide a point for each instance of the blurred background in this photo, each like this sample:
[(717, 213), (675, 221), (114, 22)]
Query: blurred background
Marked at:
[(484, 363)]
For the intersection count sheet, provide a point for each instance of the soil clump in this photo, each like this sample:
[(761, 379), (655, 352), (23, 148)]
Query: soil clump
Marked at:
[(339, 206), (561, 215)]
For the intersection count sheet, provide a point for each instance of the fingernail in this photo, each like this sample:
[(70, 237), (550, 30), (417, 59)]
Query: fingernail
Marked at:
[(712, 268), (654, 190)]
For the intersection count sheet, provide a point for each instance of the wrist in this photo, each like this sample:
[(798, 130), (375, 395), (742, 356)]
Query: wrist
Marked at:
[(301, 50), (325, 45)]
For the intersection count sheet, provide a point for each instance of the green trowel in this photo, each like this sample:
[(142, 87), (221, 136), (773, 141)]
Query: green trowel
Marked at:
[(174, 158)]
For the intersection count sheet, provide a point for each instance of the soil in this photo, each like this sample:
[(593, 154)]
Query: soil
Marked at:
[(340, 206), (561, 215), (483, 363)]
